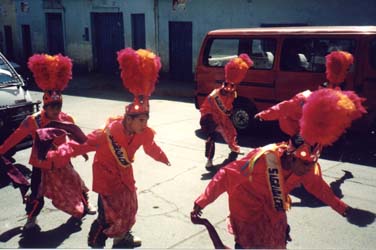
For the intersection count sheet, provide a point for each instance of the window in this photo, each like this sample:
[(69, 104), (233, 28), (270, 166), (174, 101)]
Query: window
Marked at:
[(302, 54), (6, 74), (372, 54), (221, 51)]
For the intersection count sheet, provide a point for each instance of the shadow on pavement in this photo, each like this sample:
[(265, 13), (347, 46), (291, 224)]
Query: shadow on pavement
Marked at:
[(34, 238), (355, 216), (6, 236), (360, 217), (308, 200), (210, 173), (353, 147)]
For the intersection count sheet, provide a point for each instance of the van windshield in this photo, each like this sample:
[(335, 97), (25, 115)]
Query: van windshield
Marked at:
[(6, 74)]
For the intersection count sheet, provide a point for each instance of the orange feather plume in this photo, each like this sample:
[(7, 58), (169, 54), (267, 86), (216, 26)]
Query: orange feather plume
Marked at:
[(51, 72), (236, 69), (139, 70), (327, 114)]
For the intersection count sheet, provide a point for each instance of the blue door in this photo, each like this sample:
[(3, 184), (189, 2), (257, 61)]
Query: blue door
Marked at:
[(180, 50), (138, 31), (108, 38), (55, 37)]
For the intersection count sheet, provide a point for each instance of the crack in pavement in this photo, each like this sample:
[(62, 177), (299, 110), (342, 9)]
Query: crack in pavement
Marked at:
[(194, 235), (167, 180), (176, 209)]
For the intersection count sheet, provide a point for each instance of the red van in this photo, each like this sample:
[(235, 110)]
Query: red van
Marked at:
[(287, 60)]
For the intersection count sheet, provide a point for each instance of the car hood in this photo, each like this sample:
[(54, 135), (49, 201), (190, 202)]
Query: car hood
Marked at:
[(13, 95)]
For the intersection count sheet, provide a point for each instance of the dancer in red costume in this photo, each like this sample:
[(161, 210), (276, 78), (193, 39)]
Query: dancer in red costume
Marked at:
[(217, 108), (52, 74), (115, 147), (258, 184), (289, 112)]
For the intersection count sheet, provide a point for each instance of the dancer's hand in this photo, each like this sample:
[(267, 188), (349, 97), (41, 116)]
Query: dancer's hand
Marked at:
[(196, 214), (86, 157), (235, 147), (257, 117)]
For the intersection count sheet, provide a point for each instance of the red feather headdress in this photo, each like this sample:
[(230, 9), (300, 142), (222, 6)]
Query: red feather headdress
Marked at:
[(337, 65), (139, 73), (327, 114), (236, 69), (51, 74)]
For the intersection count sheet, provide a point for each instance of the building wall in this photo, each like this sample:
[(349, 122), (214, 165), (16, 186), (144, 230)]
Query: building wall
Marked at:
[(204, 15), (7, 17), (216, 14), (76, 17)]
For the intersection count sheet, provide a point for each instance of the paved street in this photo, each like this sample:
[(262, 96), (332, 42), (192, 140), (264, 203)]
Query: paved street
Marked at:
[(166, 194)]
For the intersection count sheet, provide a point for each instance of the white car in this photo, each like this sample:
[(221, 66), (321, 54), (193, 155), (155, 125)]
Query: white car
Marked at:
[(15, 102)]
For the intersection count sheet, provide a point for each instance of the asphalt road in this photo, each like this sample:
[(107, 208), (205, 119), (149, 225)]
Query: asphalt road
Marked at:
[(166, 194)]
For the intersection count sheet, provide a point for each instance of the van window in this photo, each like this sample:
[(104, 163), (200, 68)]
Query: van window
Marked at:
[(6, 75), (309, 54), (372, 54), (221, 51)]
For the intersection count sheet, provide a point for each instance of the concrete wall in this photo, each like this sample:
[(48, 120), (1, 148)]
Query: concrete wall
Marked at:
[(76, 17)]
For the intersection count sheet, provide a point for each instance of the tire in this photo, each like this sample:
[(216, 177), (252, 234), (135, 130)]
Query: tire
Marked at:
[(242, 116)]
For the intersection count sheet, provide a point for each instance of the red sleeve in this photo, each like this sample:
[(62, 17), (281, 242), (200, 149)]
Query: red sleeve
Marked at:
[(274, 112), (61, 156), (152, 149), (215, 188), (316, 185), (290, 107), (18, 135)]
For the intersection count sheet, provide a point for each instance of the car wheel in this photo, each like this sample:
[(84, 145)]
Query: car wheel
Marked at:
[(242, 117)]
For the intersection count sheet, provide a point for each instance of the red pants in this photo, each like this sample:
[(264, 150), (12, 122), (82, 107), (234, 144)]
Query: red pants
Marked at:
[(260, 234)]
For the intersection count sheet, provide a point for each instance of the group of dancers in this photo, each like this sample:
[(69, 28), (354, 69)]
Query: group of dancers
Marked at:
[(258, 185)]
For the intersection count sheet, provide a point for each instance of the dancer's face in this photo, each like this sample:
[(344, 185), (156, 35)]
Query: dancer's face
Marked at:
[(53, 110), (298, 166), (136, 124)]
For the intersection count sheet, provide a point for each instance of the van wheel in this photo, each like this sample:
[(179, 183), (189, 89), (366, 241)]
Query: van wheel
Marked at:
[(242, 117)]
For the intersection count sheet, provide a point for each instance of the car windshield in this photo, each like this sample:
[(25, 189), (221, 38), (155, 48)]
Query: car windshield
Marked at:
[(7, 75)]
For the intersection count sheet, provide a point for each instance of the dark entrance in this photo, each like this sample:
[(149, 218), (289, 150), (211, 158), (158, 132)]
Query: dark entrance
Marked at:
[(180, 47), (138, 31), (108, 38), (55, 37), (26, 42)]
